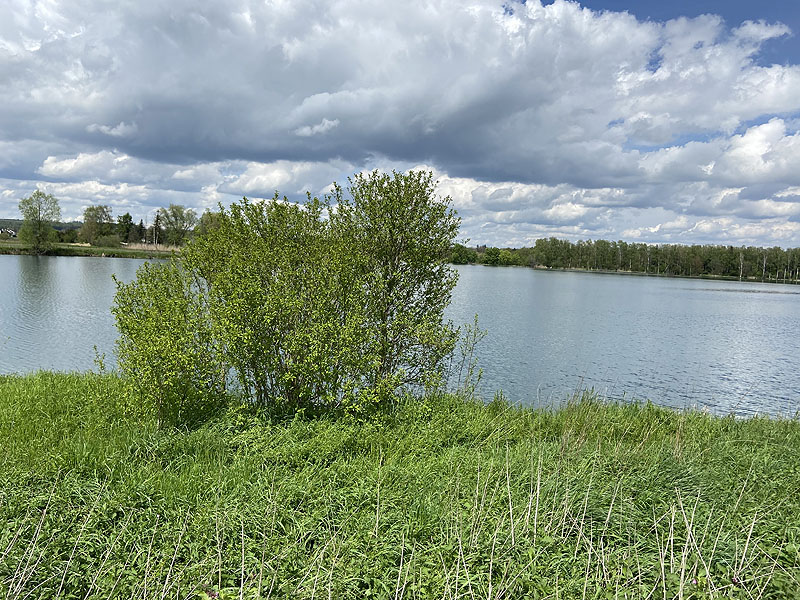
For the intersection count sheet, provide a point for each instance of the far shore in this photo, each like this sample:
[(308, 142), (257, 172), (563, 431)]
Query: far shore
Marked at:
[(667, 275), (145, 251), (634, 273), (141, 251)]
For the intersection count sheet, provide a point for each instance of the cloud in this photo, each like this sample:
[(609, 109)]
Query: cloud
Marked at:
[(538, 120), (323, 127), (84, 165), (119, 130), (285, 177)]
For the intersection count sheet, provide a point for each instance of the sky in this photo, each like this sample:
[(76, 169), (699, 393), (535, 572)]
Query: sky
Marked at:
[(660, 122)]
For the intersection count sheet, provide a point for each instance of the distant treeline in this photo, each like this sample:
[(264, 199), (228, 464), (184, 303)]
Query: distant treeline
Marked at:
[(173, 226), (742, 262), (16, 224)]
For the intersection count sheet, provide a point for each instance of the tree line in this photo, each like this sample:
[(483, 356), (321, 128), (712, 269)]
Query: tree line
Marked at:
[(176, 224), (736, 262), (171, 226)]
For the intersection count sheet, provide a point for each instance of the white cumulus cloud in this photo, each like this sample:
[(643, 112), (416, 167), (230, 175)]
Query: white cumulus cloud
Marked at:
[(538, 119)]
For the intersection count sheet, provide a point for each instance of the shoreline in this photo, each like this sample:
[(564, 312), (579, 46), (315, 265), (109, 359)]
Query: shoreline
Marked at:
[(704, 277), (59, 249)]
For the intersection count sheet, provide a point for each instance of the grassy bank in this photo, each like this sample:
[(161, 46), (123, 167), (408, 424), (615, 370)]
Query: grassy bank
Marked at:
[(16, 247), (440, 498)]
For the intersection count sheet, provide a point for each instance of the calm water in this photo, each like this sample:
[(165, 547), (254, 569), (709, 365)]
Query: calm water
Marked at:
[(727, 346), (731, 347), (55, 309)]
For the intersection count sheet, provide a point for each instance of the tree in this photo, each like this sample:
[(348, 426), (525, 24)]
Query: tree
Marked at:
[(506, 258), (124, 226), (209, 221), (68, 236), (97, 222), (140, 232), (177, 221), (155, 232), (461, 255), (491, 256), (39, 211)]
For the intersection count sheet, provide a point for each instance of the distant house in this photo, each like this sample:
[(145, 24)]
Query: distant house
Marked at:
[(8, 232)]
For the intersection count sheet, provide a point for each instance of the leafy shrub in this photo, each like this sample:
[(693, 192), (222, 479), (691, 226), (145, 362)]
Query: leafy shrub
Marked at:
[(107, 241), (166, 347), (284, 301), (401, 233), (334, 303)]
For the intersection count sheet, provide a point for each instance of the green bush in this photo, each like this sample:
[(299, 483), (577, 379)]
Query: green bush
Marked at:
[(284, 301), (400, 234), (334, 303), (166, 348), (107, 241)]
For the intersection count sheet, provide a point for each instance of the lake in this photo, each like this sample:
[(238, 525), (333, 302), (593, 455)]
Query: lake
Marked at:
[(55, 309), (722, 345), (725, 346)]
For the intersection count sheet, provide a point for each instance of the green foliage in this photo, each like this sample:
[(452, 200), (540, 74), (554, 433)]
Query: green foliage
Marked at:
[(125, 226), (68, 236), (155, 233), (284, 299), (506, 258), (743, 263), (39, 212), (208, 222), (177, 221), (775, 264), (40, 239), (308, 311), (461, 255), (97, 222), (137, 233), (467, 373), (400, 234), (165, 347), (503, 257), (491, 256), (107, 241)]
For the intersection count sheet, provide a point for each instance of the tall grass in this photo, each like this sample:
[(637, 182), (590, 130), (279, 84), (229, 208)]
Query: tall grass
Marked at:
[(440, 498)]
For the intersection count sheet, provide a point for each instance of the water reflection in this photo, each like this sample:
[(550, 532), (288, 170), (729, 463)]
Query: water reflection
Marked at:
[(55, 310)]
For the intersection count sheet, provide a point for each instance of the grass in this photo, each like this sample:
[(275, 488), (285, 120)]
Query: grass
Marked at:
[(440, 498), (59, 249)]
